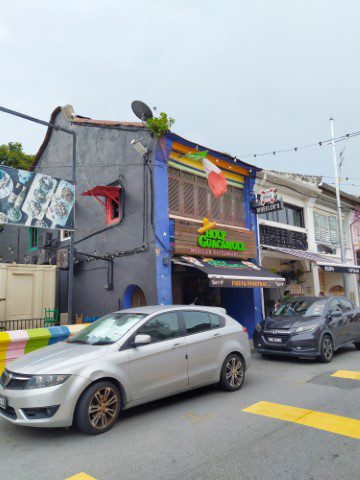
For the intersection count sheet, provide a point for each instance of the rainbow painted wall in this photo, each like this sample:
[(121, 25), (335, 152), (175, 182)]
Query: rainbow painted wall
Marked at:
[(16, 343)]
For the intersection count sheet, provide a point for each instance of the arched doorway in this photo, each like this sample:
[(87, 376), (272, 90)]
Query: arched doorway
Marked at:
[(133, 297), (336, 290)]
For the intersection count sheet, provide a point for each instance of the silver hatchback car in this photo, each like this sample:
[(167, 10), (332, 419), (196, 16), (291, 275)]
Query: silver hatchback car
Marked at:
[(124, 359)]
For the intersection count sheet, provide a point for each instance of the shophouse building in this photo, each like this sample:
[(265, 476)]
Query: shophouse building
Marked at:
[(301, 240), (148, 229)]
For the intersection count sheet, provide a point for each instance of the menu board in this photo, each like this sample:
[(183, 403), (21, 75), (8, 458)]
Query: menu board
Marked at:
[(36, 200)]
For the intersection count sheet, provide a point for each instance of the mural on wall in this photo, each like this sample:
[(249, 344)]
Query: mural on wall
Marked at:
[(36, 200), (215, 177)]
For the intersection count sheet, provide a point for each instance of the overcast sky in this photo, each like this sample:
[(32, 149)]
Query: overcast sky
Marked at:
[(239, 76)]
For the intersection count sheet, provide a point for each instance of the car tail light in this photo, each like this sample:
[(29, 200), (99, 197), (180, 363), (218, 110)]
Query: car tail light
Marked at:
[(245, 330)]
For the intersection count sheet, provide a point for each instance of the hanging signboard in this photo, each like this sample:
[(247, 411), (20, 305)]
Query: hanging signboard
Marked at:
[(268, 201), (235, 273), (36, 200), (342, 268), (224, 242)]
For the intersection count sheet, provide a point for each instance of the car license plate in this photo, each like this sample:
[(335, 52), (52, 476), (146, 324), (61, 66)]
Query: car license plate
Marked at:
[(274, 339), (3, 402)]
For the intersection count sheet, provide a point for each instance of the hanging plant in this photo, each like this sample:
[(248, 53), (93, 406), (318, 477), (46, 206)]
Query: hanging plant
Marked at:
[(160, 125)]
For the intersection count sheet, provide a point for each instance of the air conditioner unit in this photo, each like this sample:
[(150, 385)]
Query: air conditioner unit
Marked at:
[(62, 258)]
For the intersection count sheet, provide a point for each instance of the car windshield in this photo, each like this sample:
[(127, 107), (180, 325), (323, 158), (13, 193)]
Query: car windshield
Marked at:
[(108, 329), (301, 308)]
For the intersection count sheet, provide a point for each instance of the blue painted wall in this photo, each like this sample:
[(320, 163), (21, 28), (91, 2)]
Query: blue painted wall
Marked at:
[(162, 227)]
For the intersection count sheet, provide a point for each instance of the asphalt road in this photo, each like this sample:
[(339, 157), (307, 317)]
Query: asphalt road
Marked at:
[(205, 434)]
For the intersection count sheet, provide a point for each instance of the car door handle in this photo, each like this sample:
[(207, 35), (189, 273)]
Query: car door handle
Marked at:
[(177, 345), (216, 335)]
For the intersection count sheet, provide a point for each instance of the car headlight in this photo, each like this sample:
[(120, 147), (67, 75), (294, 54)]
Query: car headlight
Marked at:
[(306, 329), (43, 381), (258, 327)]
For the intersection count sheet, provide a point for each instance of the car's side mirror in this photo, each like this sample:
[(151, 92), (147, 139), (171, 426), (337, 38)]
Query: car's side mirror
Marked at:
[(141, 339), (335, 314)]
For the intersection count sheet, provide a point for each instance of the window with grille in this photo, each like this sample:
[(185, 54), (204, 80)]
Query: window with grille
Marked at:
[(190, 196)]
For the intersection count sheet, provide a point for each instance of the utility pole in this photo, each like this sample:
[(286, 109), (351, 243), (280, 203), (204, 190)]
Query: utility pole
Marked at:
[(338, 202)]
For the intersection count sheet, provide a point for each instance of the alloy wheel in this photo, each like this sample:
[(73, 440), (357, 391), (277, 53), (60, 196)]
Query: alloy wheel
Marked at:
[(234, 372), (103, 407), (327, 349)]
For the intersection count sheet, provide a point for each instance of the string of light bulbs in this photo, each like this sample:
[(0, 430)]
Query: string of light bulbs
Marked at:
[(320, 143)]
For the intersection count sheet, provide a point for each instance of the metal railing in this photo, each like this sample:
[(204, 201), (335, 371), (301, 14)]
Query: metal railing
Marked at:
[(26, 323)]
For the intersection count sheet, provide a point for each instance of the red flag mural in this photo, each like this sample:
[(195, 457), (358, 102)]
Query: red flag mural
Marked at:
[(215, 177)]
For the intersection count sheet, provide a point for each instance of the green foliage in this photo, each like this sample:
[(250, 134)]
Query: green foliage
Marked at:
[(12, 155), (160, 125)]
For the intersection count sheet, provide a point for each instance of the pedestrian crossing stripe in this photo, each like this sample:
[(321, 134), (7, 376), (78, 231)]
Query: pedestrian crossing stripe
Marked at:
[(349, 374), (81, 476), (349, 427)]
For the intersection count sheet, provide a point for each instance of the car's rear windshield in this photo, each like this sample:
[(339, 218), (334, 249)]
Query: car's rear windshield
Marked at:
[(301, 308), (108, 329)]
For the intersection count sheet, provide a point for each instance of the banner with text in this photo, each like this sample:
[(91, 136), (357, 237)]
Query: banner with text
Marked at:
[(36, 200)]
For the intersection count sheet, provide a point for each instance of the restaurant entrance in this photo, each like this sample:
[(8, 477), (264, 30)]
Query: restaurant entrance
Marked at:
[(192, 286)]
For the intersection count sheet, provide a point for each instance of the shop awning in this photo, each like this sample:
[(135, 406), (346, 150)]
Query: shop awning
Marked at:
[(231, 273), (327, 264), (103, 191)]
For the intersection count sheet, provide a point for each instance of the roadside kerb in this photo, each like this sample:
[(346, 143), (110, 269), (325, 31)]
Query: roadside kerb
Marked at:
[(14, 344)]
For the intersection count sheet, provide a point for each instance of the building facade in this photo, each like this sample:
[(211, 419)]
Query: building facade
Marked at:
[(148, 230), (301, 241)]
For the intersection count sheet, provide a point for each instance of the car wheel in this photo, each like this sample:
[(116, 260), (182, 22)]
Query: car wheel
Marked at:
[(357, 345), (98, 408), (326, 349), (232, 373)]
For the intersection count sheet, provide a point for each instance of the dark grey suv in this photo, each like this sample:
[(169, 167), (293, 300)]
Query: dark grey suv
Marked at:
[(310, 327)]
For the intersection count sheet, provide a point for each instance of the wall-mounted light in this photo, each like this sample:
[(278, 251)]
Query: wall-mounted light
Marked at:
[(138, 146)]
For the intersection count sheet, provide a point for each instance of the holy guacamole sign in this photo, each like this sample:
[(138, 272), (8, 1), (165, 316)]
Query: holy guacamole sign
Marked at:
[(191, 238), (219, 239)]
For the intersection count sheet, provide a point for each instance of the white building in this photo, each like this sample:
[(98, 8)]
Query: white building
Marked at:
[(301, 241)]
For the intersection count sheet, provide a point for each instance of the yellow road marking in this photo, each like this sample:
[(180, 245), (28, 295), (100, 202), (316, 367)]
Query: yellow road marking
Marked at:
[(351, 375), (81, 476), (350, 427)]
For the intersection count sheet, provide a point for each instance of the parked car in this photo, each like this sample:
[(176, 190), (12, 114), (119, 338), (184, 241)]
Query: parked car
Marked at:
[(309, 327), (124, 359)]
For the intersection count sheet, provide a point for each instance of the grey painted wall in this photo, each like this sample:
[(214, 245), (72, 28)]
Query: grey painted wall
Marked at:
[(104, 155)]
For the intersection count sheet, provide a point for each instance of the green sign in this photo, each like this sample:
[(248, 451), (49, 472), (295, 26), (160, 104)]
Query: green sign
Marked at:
[(217, 239)]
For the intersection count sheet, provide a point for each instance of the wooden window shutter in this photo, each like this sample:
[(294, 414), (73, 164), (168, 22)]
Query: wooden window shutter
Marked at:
[(333, 230), (215, 208), (202, 201), (174, 194), (189, 194), (227, 209), (317, 226), (238, 199)]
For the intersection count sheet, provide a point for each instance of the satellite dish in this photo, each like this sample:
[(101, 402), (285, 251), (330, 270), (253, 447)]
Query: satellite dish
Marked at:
[(141, 110)]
